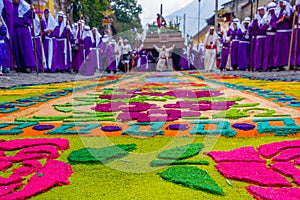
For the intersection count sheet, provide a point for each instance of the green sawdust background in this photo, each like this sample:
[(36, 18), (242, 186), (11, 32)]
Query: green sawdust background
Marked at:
[(102, 182)]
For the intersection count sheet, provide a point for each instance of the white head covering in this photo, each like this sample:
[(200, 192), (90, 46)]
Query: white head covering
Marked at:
[(37, 25), (23, 8), (237, 22), (51, 23), (64, 22), (288, 8), (1, 7), (98, 36), (87, 33), (246, 20), (267, 17), (298, 3), (3, 22), (258, 17)]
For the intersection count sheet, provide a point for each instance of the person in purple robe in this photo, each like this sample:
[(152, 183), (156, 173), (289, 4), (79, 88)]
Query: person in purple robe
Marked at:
[(235, 27), (283, 35), (79, 57), (7, 14), (257, 24), (37, 30), (102, 56), (63, 42), (87, 67), (296, 45), (49, 40), (95, 50), (225, 41), (198, 56), (111, 57), (267, 25), (3, 47), (244, 45), (22, 42), (184, 63), (151, 61), (142, 63)]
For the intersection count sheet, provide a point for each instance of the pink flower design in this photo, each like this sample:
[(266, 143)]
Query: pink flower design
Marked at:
[(41, 177), (265, 168)]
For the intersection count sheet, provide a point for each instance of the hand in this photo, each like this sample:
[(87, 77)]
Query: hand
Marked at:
[(1, 23)]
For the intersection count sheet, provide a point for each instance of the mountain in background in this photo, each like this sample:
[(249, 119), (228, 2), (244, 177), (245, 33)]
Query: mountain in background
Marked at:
[(207, 8)]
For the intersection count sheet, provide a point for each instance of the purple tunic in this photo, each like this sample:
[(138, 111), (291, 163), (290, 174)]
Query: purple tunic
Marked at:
[(184, 61), (253, 34), (198, 62), (143, 61), (268, 60), (282, 42), (39, 46), (296, 52), (259, 45), (87, 67), (225, 53), (244, 48), (50, 39), (22, 42), (3, 48), (7, 14), (234, 51), (63, 54), (111, 58)]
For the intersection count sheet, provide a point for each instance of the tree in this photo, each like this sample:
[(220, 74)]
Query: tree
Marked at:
[(127, 14)]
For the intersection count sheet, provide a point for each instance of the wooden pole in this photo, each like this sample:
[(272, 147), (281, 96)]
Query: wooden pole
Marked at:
[(251, 15), (34, 42), (41, 37), (291, 42), (184, 24)]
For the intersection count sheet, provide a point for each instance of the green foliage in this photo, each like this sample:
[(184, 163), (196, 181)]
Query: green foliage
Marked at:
[(100, 155), (192, 177), (181, 152)]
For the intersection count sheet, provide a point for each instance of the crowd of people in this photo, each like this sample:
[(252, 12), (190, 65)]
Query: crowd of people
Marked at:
[(32, 41), (270, 41)]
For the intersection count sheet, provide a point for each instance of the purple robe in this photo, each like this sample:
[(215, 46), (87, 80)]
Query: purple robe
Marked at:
[(225, 54), (259, 46), (39, 47), (234, 51), (63, 54), (296, 52), (111, 59), (7, 14), (50, 39), (87, 67), (184, 61), (268, 60), (282, 42), (253, 34), (198, 61), (102, 55), (244, 48), (79, 57), (3, 48), (151, 61), (22, 42), (143, 61)]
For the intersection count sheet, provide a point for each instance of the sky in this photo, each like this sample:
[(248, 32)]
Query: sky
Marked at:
[(152, 7)]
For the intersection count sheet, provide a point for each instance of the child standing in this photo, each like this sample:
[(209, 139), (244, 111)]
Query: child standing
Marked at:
[(3, 48)]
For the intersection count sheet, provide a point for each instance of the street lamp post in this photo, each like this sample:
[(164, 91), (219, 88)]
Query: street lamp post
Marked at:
[(199, 8)]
